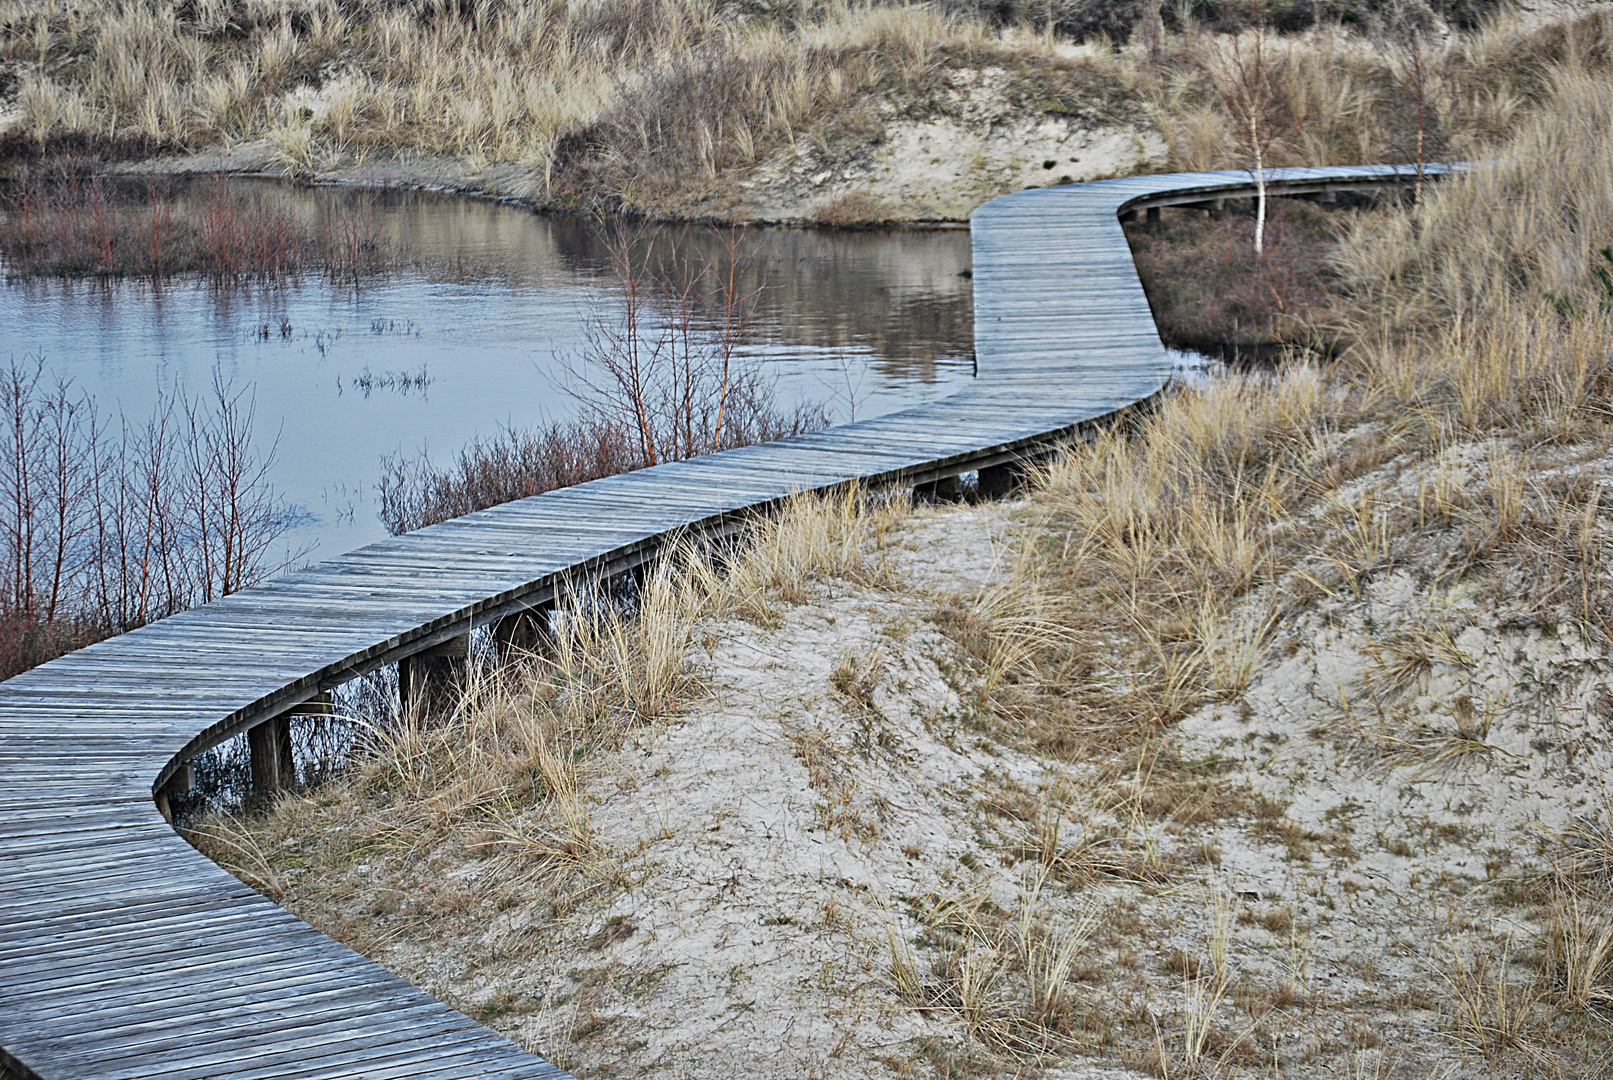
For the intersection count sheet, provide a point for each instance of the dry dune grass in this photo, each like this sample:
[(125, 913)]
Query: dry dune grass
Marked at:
[(1517, 242), (1170, 543), (1339, 98), (809, 539), (499, 776), (1147, 540), (642, 97), (664, 106), (1458, 447)]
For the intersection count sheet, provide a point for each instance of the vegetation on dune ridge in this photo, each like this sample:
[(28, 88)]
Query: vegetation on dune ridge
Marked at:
[(677, 108)]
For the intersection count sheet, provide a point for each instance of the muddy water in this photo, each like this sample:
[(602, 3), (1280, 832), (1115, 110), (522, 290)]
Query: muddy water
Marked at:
[(476, 329)]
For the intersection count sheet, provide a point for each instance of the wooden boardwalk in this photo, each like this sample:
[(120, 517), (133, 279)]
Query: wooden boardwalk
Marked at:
[(125, 953)]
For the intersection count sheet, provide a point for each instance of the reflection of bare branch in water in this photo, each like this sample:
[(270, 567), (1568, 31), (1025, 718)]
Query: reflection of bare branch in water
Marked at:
[(663, 363), (59, 223), (662, 379), (853, 373)]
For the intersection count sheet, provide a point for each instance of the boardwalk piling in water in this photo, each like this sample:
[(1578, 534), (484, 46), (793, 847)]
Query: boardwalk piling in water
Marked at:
[(272, 766), (426, 680)]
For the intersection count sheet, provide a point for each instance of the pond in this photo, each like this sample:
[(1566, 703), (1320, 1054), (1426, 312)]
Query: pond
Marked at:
[(476, 329)]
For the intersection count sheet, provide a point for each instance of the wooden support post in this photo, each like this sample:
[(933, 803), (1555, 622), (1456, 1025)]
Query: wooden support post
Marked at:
[(524, 632), (177, 784), (272, 767), (12, 1069), (1128, 216), (426, 679), (1153, 215), (999, 481), (946, 489)]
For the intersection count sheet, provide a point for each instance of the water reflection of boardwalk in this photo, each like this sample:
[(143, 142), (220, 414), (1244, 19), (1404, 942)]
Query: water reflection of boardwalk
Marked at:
[(124, 952)]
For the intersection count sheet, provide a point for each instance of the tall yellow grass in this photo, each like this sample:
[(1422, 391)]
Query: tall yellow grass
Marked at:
[(1168, 548), (1493, 302), (649, 105), (1152, 541), (1341, 98), (637, 87)]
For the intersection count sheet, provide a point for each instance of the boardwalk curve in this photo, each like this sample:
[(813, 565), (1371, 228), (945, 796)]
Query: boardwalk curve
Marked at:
[(125, 953)]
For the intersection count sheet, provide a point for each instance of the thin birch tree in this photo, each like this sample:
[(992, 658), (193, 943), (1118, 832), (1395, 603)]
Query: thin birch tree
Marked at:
[(1419, 77), (1244, 74)]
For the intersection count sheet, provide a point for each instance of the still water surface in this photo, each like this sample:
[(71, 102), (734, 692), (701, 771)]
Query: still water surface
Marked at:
[(492, 304)]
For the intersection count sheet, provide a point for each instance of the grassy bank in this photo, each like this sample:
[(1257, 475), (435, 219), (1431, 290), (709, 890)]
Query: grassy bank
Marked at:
[(674, 108)]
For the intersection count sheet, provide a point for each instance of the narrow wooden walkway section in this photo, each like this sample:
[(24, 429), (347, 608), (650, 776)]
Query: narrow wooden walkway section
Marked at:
[(124, 953)]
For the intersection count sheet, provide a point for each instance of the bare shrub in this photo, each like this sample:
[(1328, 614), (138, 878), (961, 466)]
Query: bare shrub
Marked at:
[(661, 379), (106, 526), (853, 209), (511, 465)]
